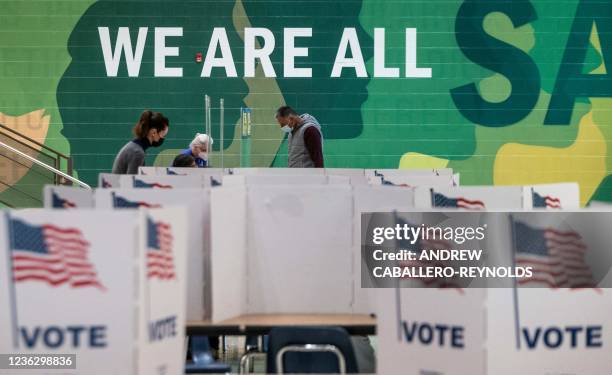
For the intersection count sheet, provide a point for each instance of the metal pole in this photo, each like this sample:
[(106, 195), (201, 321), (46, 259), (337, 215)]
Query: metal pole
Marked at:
[(40, 163), (221, 121), (207, 128), (241, 136)]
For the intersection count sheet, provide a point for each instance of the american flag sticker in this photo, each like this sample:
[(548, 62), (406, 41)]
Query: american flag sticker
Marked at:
[(441, 200), (52, 255), (557, 257), (155, 185), (160, 259), (545, 201), (59, 202), (120, 202)]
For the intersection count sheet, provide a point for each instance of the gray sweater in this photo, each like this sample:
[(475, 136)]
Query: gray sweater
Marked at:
[(130, 157)]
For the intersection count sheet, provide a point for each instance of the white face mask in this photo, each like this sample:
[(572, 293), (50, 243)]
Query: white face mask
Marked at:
[(286, 129), (203, 155)]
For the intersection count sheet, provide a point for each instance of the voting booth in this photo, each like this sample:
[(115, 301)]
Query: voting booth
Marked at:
[(564, 196), (432, 331), (108, 180), (116, 301), (409, 180), (196, 202), (373, 199), (408, 172), (556, 321), (276, 241), (163, 182), (172, 171), (66, 197), (232, 180), (477, 198), (562, 323), (275, 171)]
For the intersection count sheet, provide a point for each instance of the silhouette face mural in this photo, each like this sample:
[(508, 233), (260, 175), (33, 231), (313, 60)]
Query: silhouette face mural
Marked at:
[(99, 111), (335, 102)]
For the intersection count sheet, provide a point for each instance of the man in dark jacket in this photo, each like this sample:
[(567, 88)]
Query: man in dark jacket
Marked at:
[(305, 142)]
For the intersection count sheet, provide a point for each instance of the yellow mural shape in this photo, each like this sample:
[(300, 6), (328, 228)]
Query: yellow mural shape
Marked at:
[(583, 162), (415, 160)]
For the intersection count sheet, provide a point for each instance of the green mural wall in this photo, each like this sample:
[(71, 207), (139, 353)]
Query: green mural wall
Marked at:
[(519, 91)]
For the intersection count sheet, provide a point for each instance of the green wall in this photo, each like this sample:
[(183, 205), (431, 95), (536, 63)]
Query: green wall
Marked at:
[(519, 91)]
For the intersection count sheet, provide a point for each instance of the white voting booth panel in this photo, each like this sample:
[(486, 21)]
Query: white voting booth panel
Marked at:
[(574, 325), (348, 172), (408, 172), (373, 199), (197, 204), (162, 182), (470, 197), (552, 330), (289, 249), (431, 331), (413, 180), (73, 288), (228, 222), (547, 331), (108, 180), (299, 249), (276, 171), (599, 205), (67, 197), (233, 180), (171, 171), (564, 196)]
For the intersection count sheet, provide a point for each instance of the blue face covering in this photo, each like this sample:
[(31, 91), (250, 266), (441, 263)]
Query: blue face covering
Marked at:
[(286, 129)]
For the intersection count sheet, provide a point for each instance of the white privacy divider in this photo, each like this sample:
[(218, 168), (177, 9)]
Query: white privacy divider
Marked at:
[(108, 180), (470, 197), (390, 173), (456, 179), (233, 180), (553, 330), (288, 249), (431, 331), (548, 331), (564, 196), (163, 182), (348, 172), (413, 180), (276, 171), (67, 197), (299, 249), (372, 199), (118, 312), (197, 204), (344, 180), (228, 223), (171, 171), (599, 205)]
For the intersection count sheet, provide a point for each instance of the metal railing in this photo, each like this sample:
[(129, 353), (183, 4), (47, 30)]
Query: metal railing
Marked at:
[(39, 148), (53, 170)]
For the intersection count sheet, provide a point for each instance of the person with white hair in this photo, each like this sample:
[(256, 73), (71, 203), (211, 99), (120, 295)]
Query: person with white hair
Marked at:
[(198, 149)]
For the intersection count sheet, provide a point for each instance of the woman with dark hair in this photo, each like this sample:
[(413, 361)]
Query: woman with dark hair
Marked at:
[(149, 131)]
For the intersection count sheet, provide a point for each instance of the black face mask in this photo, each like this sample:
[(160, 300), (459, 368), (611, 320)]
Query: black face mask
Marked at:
[(158, 143)]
